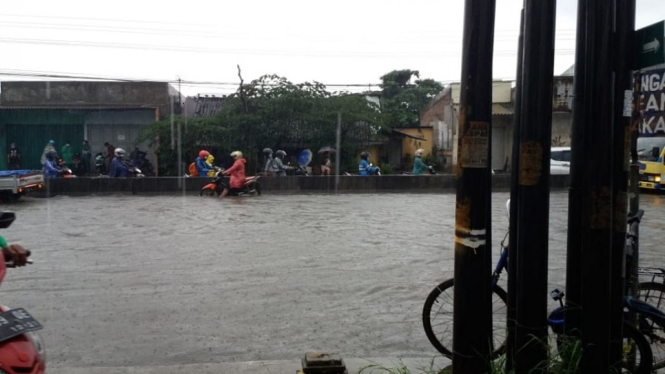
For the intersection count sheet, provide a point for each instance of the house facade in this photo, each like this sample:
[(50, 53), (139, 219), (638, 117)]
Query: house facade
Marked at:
[(32, 113), (443, 111)]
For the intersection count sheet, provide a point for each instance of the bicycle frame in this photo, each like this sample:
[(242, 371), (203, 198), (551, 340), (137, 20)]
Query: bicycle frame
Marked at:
[(501, 264)]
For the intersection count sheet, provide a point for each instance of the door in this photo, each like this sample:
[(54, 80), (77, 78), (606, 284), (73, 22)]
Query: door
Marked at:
[(498, 148)]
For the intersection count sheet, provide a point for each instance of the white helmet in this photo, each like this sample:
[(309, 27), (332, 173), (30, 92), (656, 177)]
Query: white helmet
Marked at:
[(236, 154), (119, 152), (420, 152)]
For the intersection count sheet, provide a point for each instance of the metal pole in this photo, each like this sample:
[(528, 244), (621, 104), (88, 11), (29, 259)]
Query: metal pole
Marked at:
[(576, 212), (596, 264), (624, 30), (514, 202), (533, 200), (180, 170), (172, 125), (338, 150), (472, 325)]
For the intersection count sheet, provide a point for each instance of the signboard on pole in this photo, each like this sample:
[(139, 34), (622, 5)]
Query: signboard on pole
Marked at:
[(652, 102), (649, 44)]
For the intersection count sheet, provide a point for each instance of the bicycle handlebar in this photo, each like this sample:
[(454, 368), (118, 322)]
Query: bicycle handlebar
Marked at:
[(10, 264)]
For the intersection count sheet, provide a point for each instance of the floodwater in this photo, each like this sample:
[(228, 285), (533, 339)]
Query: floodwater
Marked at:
[(135, 280)]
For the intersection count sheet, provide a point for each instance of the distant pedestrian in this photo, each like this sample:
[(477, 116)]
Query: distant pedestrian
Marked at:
[(14, 157), (67, 154), (325, 166), (86, 154), (110, 154), (50, 147)]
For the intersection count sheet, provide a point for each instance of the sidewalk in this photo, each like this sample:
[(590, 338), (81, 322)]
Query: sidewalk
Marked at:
[(353, 365)]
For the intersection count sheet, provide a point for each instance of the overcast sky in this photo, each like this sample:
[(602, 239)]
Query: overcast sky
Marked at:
[(333, 42)]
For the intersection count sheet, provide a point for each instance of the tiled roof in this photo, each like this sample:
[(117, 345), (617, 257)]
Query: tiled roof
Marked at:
[(208, 106)]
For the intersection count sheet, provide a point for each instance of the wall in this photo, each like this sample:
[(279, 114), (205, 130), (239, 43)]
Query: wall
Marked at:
[(410, 145), (562, 125), (272, 185)]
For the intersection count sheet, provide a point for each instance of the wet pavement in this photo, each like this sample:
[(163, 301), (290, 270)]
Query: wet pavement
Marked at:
[(128, 281)]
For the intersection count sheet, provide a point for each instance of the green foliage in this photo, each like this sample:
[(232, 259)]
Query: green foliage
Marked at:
[(402, 100), (386, 169), (273, 112), (400, 368)]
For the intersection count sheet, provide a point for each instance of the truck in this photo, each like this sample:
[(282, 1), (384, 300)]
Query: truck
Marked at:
[(15, 183), (651, 158), (651, 140)]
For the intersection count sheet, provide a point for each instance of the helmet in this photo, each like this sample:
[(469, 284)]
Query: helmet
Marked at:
[(420, 152), (119, 152), (51, 141), (51, 155), (267, 151), (280, 153), (364, 155), (236, 154), (203, 154)]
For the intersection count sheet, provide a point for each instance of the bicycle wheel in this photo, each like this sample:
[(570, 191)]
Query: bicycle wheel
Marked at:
[(643, 355), (654, 331), (438, 318)]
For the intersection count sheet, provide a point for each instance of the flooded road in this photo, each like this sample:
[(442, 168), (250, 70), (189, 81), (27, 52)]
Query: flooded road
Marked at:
[(135, 280)]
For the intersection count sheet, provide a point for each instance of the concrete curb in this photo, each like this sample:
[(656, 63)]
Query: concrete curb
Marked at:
[(444, 183), (353, 365)]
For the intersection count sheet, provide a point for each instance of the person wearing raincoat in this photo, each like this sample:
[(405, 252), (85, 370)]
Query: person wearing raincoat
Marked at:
[(237, 173), (419, 166)]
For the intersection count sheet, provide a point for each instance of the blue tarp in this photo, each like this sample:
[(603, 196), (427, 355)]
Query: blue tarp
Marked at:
[(9, 173)]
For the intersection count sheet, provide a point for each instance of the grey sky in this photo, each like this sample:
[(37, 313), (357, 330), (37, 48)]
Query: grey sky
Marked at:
[(342, 41)]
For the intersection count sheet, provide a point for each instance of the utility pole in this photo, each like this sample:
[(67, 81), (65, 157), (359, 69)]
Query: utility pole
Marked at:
[(573, 313), (532, 195), (472, 325), (621, 138), (514, 202), (591, 201)]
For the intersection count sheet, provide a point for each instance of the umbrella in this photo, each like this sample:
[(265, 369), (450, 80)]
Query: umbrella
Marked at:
[(326, 149), (305, 157)]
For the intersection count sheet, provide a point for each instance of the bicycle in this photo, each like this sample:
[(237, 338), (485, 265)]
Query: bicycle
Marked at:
[(438, 321)]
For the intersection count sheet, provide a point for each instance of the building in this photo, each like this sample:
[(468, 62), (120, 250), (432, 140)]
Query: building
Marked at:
[(32, 113), (203, 106), (442, 116)]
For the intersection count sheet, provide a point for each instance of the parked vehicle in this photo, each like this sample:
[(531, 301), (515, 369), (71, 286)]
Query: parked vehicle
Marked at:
[(251, 186), (560, 161), (651, 153), (21, 348), (16, 183)]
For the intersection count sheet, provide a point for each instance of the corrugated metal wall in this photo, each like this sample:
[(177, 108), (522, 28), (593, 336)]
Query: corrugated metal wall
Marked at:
[(121, 128), (32, 129)]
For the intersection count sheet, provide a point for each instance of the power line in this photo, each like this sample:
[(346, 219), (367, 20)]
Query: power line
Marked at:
[(428, 38), (349, 54)]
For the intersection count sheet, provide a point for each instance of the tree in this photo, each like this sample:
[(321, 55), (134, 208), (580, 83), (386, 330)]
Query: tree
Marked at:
[(273, 112), (403, 101)]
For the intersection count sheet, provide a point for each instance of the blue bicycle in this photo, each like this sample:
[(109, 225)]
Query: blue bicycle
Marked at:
[(647, 336)]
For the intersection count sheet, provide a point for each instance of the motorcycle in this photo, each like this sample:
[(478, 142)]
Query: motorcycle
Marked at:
[(21, 348), (142, 163), (64, 170), (250, 186), (100, 167)]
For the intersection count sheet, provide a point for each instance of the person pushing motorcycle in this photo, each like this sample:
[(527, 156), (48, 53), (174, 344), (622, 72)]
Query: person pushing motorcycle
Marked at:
[(237, 173)]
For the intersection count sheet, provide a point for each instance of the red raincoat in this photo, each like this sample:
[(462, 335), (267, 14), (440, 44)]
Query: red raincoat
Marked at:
[(237, 173)]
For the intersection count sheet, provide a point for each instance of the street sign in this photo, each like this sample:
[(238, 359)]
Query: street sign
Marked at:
[(652, 102), (650, 50)]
